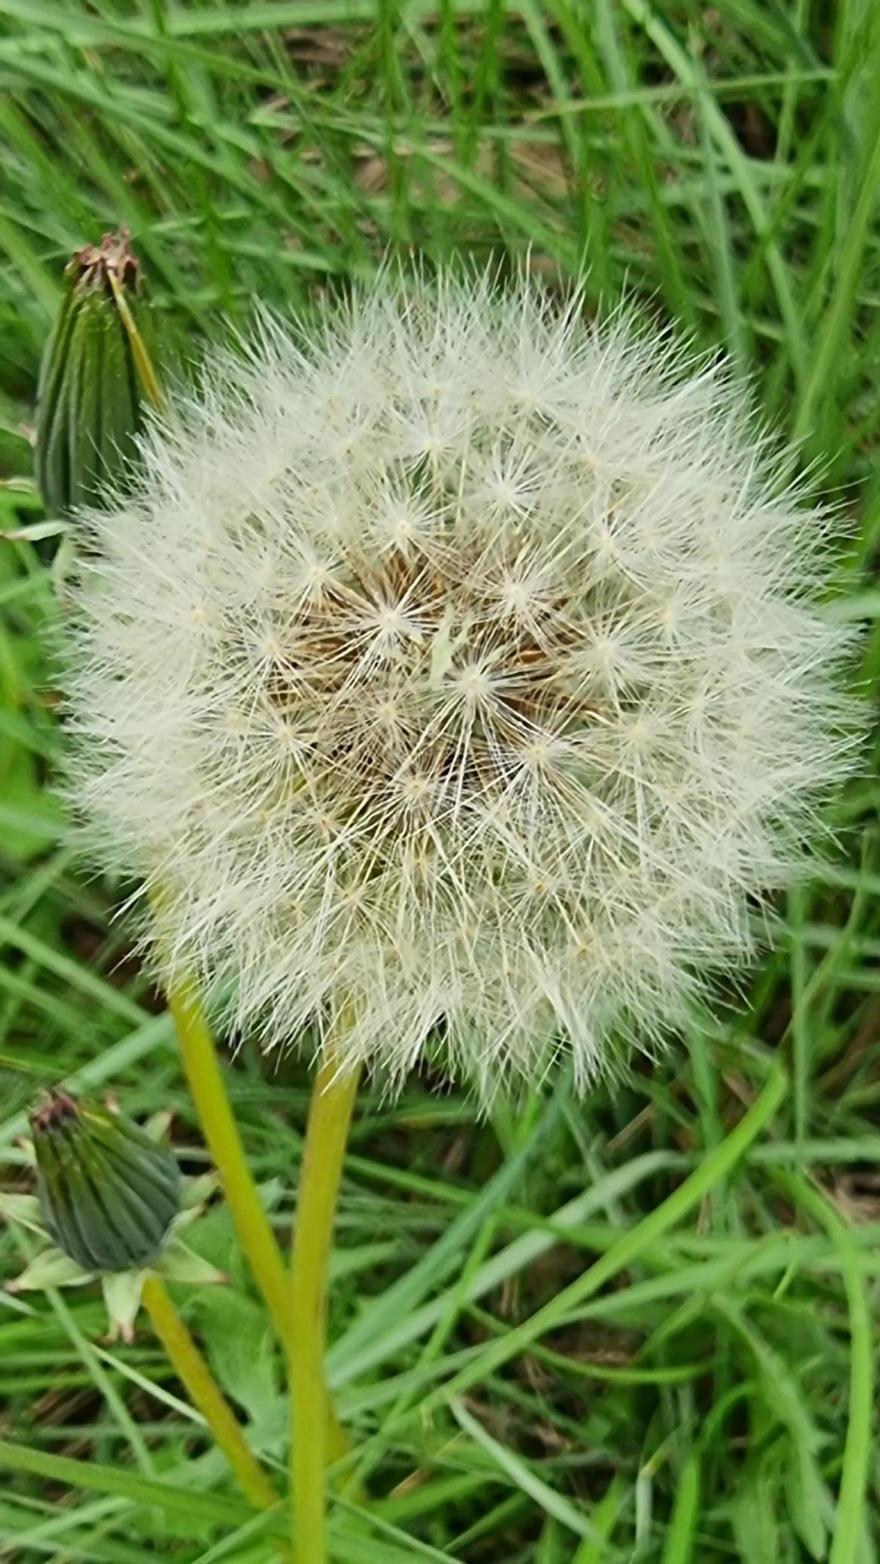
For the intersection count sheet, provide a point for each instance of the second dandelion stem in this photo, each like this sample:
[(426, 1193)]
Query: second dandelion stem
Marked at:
[(206, 1394), (320, 1175)]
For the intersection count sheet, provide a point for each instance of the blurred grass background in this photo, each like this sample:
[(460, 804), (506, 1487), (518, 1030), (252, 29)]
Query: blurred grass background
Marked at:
[(711, 1403)]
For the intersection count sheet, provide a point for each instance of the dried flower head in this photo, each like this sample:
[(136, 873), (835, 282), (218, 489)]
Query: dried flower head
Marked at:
[(455, 663)]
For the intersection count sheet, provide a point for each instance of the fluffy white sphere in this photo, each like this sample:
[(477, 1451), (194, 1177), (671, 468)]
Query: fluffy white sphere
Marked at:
[(455, 664)]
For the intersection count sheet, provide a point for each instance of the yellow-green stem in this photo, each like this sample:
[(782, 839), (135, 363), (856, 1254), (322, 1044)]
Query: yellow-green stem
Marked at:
[(205, 1393), (218, 1124), (258, 1242), (320, 1174)]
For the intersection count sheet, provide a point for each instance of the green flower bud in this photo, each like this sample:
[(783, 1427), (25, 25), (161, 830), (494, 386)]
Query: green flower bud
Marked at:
[(90, 396), (108, 1193)]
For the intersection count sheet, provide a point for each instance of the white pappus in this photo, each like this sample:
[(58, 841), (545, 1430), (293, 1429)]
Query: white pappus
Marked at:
[(456, 661)]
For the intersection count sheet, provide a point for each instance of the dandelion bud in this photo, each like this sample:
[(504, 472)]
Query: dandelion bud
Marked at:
[(108, 1193), (89, 396)]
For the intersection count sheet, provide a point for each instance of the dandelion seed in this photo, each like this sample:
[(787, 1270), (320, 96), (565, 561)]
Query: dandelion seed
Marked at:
[(458, 668)]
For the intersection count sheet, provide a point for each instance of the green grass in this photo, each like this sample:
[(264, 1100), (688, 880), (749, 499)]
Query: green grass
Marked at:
[(589, 1333)]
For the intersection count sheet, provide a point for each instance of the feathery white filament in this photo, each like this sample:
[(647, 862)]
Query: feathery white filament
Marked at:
[(459, 664)]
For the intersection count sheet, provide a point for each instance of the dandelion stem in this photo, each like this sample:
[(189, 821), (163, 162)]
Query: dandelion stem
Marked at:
[(320, 1174), (258, 1242), (205, 1393), (218, 1124)]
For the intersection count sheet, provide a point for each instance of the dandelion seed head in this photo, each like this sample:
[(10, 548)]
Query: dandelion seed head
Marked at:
[(456, 665)]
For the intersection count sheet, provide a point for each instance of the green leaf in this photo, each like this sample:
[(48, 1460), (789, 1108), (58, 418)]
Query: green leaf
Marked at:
[(30, 816), (241, 1350), (514, 1467), (808, 1502), (680, 1544), (754, 1515), (189, 1512)]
